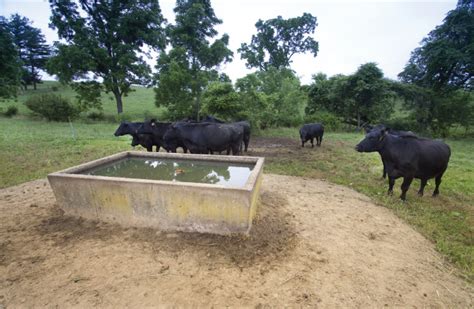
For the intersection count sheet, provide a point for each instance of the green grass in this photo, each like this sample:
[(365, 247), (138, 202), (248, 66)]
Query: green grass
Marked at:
[(139, 104), (31, 149), (447, 220)]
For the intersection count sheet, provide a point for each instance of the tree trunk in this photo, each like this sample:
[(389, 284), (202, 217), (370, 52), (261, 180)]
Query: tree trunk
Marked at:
[(33, 77), (118, 99), (198, 99)]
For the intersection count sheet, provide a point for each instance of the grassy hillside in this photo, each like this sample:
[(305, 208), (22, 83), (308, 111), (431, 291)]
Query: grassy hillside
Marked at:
[(137, 105)]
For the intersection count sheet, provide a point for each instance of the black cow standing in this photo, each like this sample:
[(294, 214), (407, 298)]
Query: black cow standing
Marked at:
[(369, 128), (144, 140), (157, 130), (310, 131), (205, 137), (408, 157), (245, 125)]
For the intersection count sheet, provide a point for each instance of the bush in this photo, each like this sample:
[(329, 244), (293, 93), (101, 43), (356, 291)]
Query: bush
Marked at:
[(96, 116), (405, 123), (329, 120), (11, 111), (52, 107)]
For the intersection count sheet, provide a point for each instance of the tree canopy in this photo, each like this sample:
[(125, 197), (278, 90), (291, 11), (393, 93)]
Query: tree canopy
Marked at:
[(362, 97), (10, 68), (277, 40), (106, 41), (445, 59), (191, 63), (33, 51)]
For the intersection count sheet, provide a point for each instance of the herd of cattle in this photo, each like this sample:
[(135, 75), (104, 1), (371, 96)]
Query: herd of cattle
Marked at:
[(403, 153), (208, 136)]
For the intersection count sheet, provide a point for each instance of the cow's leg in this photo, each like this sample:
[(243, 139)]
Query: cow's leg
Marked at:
[(149, 148), (422, 186), (312, 144), (437, 182), (302, 143), (157, 148), (405, 185), (391, 183), (185, 149), (246, 142), (320, 140)]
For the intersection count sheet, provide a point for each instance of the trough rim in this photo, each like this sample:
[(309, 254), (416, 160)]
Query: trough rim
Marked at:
[(72, 172)]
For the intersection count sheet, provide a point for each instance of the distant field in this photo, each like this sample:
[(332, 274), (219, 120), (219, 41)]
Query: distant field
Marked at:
[(137, 105)]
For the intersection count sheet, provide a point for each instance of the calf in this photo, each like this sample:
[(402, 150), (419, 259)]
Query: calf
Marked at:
[(310, 131), (408, 157)]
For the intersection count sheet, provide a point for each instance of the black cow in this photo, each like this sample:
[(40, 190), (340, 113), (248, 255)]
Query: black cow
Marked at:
[(369, 128), (310, 131), (157, 130), (204, 137), (408, 157), (144, 140), (245, 125)]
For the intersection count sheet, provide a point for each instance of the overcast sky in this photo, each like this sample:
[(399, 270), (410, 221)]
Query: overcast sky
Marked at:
[(350, 32)]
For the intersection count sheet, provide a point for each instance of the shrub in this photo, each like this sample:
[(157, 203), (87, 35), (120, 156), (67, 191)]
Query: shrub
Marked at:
[(96, 116), (52, 107), (329, 120), (11, 111), (405, 123)]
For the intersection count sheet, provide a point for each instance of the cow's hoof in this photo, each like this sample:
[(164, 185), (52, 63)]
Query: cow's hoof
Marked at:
[(420, 193)]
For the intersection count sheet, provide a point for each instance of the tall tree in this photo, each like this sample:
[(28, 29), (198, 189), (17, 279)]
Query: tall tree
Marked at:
[(10, 68), (370, 94), (364, 96), (445, 59), (192, 61), (106, 41), (272, 98), (32, 49), (277, 40), (440, 70)]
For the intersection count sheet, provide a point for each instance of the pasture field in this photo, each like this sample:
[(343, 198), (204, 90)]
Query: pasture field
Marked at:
[(30, 149), (139, 104)]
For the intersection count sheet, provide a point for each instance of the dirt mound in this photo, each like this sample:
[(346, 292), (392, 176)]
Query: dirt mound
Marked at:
[(313, 244)]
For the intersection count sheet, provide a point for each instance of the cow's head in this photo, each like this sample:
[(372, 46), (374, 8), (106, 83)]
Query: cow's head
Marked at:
[(373, 140), (122, 129)]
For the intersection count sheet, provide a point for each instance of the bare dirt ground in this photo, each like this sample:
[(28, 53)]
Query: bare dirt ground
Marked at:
[(313, 244)]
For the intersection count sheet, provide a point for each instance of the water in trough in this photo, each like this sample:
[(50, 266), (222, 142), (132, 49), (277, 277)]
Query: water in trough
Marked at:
[(223, 173)]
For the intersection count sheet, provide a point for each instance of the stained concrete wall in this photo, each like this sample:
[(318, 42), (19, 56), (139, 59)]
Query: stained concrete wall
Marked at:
[(164, 205)]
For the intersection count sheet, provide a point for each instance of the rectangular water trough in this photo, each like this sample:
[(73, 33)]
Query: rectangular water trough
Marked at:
[(225, 205)]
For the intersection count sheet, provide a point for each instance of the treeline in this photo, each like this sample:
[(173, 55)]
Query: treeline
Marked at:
[(104, 45)]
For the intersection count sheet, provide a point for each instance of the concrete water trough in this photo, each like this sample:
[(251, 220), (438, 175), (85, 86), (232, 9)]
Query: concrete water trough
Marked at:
[(166, 191)]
